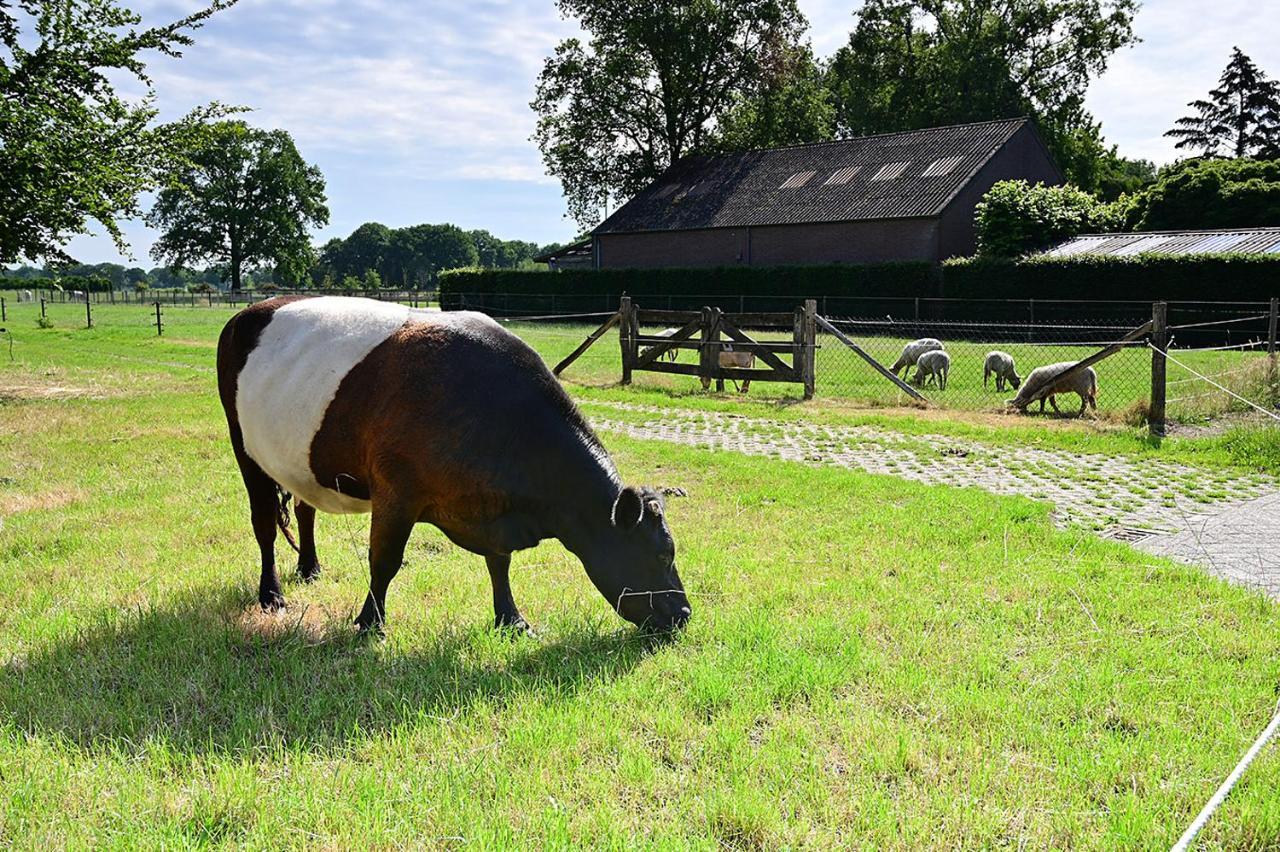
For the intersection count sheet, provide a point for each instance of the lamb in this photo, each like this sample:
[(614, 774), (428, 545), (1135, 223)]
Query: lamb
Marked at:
[(911, 354), (1043, 382), (933, 365), (1001, 365)]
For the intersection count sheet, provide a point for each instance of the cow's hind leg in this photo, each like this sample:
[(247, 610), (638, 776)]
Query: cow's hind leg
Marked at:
[(388, 534), (264, 510), (308, 563), (505, 612)]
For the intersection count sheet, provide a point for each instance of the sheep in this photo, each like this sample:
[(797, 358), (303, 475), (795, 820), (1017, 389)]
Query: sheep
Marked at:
[(933, 365), (1043, 382), (672, 353), (1001, 365), (911, 354), (730, 358)]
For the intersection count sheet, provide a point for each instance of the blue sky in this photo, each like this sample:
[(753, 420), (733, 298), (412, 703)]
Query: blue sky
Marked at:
[(418, 111)]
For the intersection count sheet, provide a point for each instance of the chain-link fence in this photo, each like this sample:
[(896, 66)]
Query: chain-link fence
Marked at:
[(1221, 357)]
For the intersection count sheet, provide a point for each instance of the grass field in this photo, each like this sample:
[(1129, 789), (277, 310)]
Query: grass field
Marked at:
[(870, 663)]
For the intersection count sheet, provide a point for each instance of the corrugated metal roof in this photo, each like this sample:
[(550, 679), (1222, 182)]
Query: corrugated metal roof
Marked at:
[(872, 177), (1238, 241)]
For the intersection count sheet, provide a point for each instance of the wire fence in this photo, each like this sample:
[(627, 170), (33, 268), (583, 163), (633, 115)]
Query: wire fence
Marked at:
[(1224, 351)]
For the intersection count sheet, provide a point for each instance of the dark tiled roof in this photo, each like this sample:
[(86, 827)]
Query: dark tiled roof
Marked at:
[(1233, 241), (896, 175)]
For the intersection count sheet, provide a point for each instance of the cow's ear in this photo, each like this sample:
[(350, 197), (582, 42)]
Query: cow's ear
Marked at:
[(628, 509)]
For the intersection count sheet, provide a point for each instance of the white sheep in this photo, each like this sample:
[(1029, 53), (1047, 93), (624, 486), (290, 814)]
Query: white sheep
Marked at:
[(1044, 382), (672, 353), (911, 354), (1000, 364), (933, 365)]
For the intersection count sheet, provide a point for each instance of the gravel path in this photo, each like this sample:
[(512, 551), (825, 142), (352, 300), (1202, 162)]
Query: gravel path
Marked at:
[(1227, 523)]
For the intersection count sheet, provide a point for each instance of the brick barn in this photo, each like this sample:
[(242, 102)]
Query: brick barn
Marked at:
[(898, 196)]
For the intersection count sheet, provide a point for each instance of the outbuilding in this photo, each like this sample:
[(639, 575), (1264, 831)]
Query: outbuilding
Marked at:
[(898, 196)]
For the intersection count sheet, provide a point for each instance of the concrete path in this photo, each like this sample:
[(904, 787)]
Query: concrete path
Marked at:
[(1229, 524)]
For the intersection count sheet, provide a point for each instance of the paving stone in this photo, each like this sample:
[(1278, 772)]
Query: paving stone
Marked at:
[(1229, 525)]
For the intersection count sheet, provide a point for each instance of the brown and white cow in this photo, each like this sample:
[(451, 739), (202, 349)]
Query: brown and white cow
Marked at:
[(354, 405)]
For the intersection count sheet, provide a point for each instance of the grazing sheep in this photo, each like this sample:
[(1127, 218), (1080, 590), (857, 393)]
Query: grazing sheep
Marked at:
[(672, 353), (933, 365), (1000, 364), (911, 354), (1043, 382), (730, 358)]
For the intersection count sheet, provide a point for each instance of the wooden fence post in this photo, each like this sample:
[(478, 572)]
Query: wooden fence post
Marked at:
[(4, 316), (1271, 348), (1159, 365), (88, 311), (159, 323), (708, 357), (626, 313), (807, 368)]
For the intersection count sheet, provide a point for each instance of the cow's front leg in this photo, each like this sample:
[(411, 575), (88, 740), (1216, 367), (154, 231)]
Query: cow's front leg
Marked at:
[(505, 612), (308, 563), (388, 534)]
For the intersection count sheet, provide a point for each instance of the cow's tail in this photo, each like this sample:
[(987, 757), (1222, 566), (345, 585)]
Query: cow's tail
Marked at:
[(282, 517)]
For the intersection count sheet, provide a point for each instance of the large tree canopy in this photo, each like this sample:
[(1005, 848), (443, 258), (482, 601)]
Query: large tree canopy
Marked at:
[(923, 63), (649, 87), (71, 149), (1240, 118), (247, 197)]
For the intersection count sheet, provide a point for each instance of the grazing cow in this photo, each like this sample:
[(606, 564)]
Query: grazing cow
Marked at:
[(730, 358), (354, 405)]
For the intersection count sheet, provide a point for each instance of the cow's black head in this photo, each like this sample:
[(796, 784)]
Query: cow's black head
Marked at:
[(638, 574)]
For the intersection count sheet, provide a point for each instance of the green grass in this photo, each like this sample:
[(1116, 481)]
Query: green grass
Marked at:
[(871, 662)]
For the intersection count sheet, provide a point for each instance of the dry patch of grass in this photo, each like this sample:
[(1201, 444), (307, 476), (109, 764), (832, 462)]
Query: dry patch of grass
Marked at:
[(11, 504), (28, 391), (309, 624)]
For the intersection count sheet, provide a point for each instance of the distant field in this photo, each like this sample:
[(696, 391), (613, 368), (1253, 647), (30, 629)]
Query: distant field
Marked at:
[(871, 662)]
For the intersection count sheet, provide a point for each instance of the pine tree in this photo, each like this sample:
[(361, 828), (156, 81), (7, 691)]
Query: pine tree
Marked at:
[(1241, 118)]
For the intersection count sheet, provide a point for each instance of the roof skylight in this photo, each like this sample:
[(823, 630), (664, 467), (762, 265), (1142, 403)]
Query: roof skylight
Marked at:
[(842, 176), (942, 166), (891, 170), (797, 180), (667, 190)]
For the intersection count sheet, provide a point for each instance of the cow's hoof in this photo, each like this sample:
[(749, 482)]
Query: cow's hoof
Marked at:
[(514, 626), (271, 601), (307, 573)]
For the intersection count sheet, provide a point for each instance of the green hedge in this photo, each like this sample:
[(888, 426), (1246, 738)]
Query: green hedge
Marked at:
[(83, 283), (763, 288), (1141, 278)]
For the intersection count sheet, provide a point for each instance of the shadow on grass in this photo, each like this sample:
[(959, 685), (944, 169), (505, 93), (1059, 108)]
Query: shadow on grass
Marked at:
[(195, 678)]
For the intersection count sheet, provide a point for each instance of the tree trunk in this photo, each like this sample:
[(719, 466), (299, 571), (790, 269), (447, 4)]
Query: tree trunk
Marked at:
[(235, 272)]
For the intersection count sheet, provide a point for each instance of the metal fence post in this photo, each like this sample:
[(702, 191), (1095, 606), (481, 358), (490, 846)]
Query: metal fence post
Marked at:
[(1160, 340)]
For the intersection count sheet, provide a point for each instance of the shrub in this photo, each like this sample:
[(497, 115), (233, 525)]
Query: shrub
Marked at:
[(1209, 194), (1016, 217)]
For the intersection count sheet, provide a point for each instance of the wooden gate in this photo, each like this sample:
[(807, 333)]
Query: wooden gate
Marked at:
[(709, 333)]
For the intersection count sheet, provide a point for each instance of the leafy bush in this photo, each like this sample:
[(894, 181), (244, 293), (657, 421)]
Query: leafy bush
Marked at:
[(1208, 194), (1016, 217), (1145, 277)]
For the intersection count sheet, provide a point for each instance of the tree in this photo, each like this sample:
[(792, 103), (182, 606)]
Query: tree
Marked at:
[(789, 104), (1209, 194), (924, 63), (368, 247), (247, 197), (1015, 217), (1240, 118), (420, 252), (73, 149), (649, 88)]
